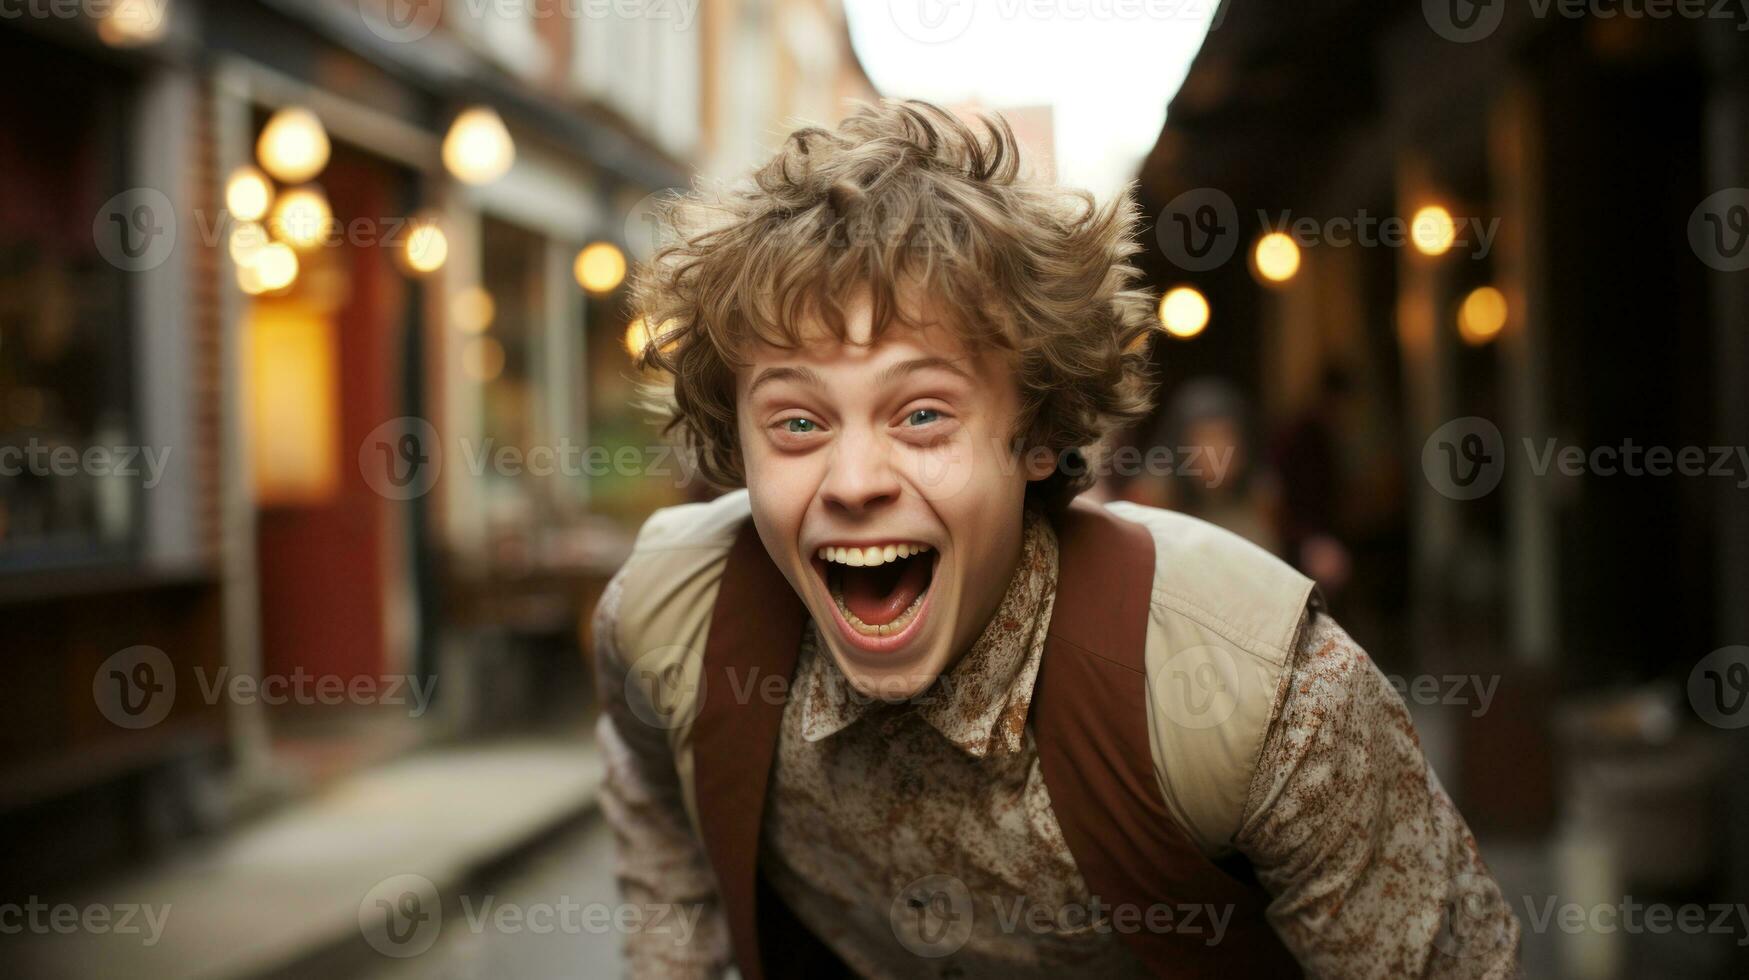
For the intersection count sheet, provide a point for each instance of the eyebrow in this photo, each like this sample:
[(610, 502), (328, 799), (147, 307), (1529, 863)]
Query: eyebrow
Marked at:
[(801, 375), (903, 368)]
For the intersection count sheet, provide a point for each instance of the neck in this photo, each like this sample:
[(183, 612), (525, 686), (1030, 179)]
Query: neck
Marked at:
[(1004, 572)]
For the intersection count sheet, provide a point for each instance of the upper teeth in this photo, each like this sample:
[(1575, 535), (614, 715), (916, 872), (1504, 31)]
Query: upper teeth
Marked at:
[(871, 555)]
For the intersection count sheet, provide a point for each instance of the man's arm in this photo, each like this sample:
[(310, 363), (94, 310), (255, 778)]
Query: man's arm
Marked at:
[(661, 862), (1371, 868)]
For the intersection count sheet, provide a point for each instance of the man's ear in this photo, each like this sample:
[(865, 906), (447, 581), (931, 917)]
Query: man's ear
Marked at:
[(1039, 462)]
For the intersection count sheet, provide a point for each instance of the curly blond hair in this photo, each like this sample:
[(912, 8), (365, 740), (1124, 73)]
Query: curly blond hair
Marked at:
[(902, 199)]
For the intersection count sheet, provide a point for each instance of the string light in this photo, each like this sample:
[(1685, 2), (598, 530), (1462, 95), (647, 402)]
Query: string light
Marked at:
[(1184, 312)]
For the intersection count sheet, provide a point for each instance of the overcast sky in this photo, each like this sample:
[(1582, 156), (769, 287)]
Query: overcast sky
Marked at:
[(1108, 67)]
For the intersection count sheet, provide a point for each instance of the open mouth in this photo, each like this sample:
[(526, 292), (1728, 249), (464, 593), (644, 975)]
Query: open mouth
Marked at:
[(880, 591)]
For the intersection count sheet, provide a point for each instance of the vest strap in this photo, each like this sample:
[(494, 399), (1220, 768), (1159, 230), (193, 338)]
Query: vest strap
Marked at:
[(755, 635), (1091, 723)]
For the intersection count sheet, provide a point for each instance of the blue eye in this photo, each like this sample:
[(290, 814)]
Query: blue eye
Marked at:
[(922, 416), (799, 425)]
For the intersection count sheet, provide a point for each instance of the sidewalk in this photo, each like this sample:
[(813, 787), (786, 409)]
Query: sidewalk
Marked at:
[(292, 887)]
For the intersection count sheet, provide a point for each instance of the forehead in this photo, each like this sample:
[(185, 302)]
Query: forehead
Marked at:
[(821, 349)]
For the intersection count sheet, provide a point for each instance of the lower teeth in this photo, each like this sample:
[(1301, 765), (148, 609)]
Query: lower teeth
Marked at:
[(884, 629)]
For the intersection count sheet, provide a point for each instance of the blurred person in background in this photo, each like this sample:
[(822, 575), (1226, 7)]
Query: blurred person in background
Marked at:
[(1310, 469), (1208, 429)]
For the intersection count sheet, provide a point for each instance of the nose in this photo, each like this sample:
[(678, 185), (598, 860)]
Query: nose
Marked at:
[(860, 476)]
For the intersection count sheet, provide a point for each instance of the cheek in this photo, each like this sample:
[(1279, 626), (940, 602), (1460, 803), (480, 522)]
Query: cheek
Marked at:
[(970, 482), (779, 487)]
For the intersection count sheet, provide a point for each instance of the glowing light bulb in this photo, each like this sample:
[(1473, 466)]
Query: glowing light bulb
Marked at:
[(293, 146), (1277, 257), (600, 267), (473, 310), (131, 23), (1184, 312), (637, 337), (301, 217), (1432, 230), (275, 268), (1482, 316), (427, 248), (248, 194), (478, 149)]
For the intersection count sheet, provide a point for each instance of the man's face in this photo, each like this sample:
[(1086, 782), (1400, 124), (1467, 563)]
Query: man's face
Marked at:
[(885, 486)]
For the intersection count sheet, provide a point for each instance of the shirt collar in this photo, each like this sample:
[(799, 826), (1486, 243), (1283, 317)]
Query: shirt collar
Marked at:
[(982, 702)]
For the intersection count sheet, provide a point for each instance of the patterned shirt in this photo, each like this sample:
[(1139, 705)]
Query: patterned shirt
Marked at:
[(917, 839)]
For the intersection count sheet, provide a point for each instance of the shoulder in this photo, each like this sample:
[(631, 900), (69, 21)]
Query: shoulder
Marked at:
[(1225, 617), (1222, 582), (677, 560), (664, 592), (694, 527)]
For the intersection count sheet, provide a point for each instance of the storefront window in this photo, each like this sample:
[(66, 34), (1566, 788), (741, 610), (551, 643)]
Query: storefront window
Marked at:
[(64, 319), (501, 360)]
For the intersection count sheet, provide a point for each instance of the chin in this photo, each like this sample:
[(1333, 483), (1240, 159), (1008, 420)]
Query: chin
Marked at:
[(884, 613)]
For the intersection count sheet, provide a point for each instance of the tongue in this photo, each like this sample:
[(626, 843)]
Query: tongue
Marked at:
[(878, 595)]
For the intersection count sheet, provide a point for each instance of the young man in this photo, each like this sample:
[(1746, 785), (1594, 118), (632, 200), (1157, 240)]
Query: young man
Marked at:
[(900, 707)]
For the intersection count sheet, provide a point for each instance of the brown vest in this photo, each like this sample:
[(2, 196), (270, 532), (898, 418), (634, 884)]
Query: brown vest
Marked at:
[(1090, 722)]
